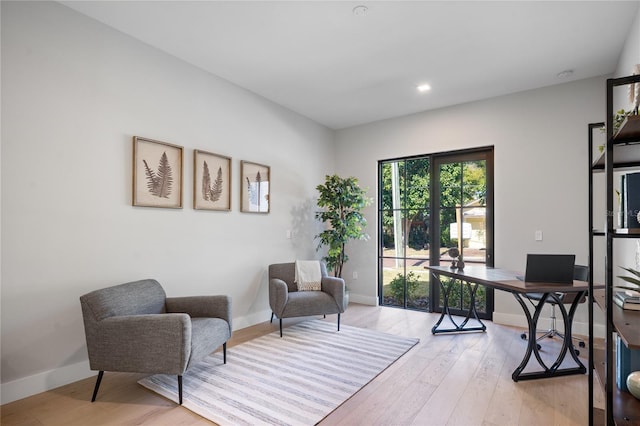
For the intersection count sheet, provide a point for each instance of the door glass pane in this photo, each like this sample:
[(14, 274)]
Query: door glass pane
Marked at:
[(417, 230), (474, 211), (417, 279), (453, 289), (463, 220), (450, 184), (393, 284), (386, 189), (460, 295), (392, 235), (393, 188), (475, 243), (417, 177), (481, 299), (449, 231), (474, 182)]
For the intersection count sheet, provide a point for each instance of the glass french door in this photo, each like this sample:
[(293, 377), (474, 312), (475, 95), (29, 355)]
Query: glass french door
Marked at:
[(463, 216), (427, 205), (405, 236)]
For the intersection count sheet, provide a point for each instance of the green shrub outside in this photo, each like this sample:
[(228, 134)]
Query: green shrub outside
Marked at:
[(396, 286)]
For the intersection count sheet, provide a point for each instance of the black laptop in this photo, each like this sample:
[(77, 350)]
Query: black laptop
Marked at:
[(549, 268)]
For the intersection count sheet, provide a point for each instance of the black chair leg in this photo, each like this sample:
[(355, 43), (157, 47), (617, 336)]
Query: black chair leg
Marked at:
[(271, 317), (95, 390), (280, 327), (224, 352), (180, 389), (338, 322)]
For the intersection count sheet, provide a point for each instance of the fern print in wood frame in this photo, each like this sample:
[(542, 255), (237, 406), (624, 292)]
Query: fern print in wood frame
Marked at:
[(211, 181), (255, 187), (157, 173)]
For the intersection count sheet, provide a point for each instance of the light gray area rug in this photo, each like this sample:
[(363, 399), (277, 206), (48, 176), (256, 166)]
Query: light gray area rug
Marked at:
[(295, 380)]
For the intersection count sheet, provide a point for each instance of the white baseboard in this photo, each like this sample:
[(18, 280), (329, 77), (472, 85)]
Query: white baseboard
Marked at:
[(45, 381), (579, 328), (365, 300), (252, 319)]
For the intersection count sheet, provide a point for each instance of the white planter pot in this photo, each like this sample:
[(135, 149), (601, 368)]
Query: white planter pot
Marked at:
[(633, 383)]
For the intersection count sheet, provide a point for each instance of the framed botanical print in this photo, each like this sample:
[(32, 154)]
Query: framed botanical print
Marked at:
[(157, 173), (211, 181), (255, 187)]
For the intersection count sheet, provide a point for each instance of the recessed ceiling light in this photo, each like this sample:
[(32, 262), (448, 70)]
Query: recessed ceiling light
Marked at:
[(360, 10), (565, 74), (423, 88)]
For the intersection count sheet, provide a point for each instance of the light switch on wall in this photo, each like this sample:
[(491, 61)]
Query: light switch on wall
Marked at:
[(538, 236)]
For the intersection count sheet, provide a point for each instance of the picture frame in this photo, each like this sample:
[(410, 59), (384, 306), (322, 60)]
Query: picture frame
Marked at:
[(211, 181), (157, 173), (255, 187)]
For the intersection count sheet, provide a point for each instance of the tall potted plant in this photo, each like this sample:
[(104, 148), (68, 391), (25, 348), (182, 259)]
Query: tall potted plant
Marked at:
[(342, 201)]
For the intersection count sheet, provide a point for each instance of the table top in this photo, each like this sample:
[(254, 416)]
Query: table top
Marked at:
[(505, 279)]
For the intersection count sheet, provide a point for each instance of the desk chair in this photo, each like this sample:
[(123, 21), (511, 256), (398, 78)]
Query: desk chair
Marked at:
[(580, 273)]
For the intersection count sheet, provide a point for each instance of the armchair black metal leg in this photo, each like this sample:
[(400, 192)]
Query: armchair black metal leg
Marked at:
[(95, 390), (271, 317), (338, 322), (180, 389), (280, 327), (224, 352)]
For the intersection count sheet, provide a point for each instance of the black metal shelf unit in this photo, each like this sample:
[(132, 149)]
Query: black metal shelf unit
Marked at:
[(621, 152)]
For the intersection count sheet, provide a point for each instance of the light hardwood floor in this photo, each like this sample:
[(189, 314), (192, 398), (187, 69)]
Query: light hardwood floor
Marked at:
[(457, 379)]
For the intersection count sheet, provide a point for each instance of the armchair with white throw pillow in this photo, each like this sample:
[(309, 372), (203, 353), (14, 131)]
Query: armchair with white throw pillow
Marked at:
[(304, 288)]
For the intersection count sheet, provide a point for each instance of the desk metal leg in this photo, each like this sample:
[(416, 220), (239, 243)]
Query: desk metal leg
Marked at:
[(532, 347), (446, 292), (567, 343)]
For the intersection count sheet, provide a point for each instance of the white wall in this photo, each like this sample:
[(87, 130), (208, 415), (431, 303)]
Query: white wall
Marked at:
[(626, 251), (540, 140), (630, 55), (74, 92)]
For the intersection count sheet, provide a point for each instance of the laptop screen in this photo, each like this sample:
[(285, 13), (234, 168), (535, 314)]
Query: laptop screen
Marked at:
[(550, 268)]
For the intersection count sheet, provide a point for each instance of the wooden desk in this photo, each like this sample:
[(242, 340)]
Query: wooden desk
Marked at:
[(506, 280)]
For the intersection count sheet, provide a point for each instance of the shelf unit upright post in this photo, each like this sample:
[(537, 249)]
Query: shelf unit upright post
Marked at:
[(608, 262), (591, 366), (622, 150)]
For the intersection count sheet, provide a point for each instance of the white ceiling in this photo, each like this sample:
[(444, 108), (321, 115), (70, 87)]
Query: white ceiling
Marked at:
[(339, 69)]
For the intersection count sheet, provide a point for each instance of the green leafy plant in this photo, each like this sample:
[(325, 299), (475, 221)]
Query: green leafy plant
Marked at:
[(633, 282), (342, 201), (618, 119), (396, 286)]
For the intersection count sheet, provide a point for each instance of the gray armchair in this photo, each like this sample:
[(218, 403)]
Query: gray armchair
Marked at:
[(134, 327), (287, 302)]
